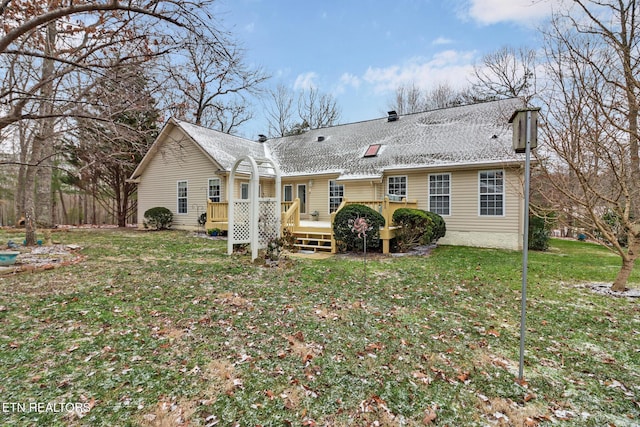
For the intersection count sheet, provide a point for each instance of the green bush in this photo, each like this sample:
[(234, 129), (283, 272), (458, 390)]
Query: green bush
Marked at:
[(342, 227), (418, 228), (540, 232), (158, 218), (415, 228), (439, 226)]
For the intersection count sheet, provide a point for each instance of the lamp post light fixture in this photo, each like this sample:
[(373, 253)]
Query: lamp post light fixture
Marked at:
[(525, 137)]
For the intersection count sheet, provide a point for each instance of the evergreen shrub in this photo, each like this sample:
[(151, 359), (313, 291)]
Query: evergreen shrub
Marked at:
[(346, 239), (159, 218)]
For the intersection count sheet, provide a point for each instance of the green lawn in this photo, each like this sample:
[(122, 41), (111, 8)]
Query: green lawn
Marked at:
[(158, 328)]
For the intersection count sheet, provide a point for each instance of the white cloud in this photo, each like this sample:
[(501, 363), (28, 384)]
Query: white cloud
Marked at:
[(305, 81), (441, 41), (349, 79), (527, 12), (450, 66), (250, 27)]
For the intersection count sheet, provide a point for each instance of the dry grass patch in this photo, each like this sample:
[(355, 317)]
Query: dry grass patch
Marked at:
[(505, 412), (169, 413), (232, 299), (306, 351), (221, 377)]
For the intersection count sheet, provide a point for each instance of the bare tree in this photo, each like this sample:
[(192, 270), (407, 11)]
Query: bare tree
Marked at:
[(591, 128), (66, 46), (410, 98), (212, 81), (314, 110), (279, 111), (317, 109), (506, 73), (443, 95)]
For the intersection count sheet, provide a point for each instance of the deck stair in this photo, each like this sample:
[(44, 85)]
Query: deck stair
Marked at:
[(313, 240)]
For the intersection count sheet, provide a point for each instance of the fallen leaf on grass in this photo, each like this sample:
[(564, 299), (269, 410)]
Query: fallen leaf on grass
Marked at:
[(530, 422), (374, 346), (429, 417), (422, 377), (463, 376)]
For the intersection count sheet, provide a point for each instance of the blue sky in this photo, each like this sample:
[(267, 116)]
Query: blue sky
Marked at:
[(360, 51)]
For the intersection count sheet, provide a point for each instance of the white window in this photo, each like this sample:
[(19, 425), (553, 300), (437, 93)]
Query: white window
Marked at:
[(336, 194), (214, 190), (491, 193), (288, 193), (397, 186), (244, 190), (440, 193), (182, 197)]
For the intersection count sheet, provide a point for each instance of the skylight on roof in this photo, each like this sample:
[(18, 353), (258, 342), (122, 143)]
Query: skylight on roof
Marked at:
[(372, 151)]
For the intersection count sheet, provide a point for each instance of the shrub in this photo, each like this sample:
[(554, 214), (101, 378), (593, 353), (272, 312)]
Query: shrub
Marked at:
[(416, 228), (158, 217), (342, 227), (540, 232), (439, 226), (202, 219)]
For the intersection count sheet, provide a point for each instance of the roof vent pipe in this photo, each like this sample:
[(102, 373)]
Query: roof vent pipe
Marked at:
[(262, 138), (393, 116)]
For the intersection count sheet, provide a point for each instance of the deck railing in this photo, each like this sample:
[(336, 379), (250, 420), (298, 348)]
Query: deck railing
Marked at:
[(217, 213), (386, 208), (290, 215)]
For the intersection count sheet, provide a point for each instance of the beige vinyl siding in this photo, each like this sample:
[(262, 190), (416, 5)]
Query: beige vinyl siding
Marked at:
[(267, 186), (177, 159), (465, 213), (317, 194), (293, 182), (465, 225), (360, 190)]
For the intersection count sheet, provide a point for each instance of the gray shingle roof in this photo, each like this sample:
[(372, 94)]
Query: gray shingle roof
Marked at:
[(471, 134), (225, 148), (459, 135)]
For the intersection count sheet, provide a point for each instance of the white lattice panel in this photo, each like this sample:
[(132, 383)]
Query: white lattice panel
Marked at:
[(268, 222), (241, 222)]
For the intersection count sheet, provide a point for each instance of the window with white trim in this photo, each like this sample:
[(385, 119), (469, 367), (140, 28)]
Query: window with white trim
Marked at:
[(244, 190), (491, 190), (397, 186), (288, 193), (440, 193), (336, 194), (182, 197), (213, 191)]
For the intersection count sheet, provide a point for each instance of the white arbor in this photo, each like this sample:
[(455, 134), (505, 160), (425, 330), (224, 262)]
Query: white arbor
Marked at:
[(254, 220)]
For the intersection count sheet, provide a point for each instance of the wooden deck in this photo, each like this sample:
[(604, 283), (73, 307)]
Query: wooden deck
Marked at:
[(315, 236)]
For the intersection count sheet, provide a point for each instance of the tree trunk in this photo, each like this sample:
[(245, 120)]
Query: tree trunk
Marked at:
[(43, 135), (628, 262), (29, 202), (44, 175), (22, 172), (65, 216)]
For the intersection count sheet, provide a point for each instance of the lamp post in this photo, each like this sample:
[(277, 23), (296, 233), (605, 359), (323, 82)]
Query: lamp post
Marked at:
[(525, 137)]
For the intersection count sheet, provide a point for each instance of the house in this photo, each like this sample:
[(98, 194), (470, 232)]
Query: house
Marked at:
[(457, 162)]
